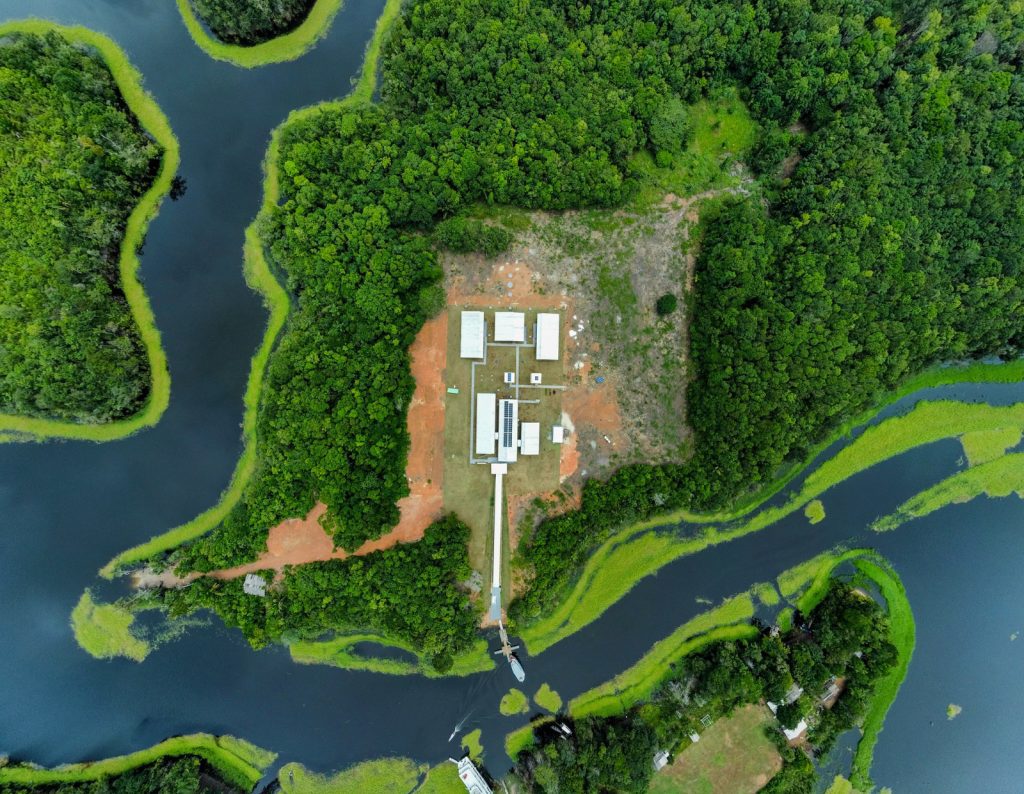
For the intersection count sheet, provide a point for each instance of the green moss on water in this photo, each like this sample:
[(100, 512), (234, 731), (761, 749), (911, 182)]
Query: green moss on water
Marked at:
[(815, 511), (471, 744), (514, 702), (547, 698), (105, 630)]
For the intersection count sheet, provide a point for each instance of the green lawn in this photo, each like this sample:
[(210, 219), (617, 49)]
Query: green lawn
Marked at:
[(733, 756)]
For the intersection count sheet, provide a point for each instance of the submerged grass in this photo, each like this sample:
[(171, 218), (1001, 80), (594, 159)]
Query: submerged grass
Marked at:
[(240, 763), (260, 277), (286, 47), (902, 635), (105, 630), (997, 478), (153, 120)]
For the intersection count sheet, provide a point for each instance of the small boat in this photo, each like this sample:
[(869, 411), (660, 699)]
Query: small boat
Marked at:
[(507, 650), (517, 668)]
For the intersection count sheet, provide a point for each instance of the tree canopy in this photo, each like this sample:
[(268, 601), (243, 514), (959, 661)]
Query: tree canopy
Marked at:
[(249, 22)]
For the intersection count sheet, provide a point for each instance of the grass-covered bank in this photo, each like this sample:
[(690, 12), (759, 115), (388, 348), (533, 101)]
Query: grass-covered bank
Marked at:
[(286, 47), (155, 123), (261, 278), (104, 631), (237, 762), (378, 776), (340, 652), (637, 551)]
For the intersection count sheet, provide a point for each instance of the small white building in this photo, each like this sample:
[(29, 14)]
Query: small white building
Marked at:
[(660, 760), (471, 777), (530, 433), (471, 343), (558, 434), (254, 584), (486, 421), (547, 336), (508, 431), (509, 327)]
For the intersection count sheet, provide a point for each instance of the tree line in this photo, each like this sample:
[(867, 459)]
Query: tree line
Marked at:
[(75, 164), (186, 774), (249, 22)]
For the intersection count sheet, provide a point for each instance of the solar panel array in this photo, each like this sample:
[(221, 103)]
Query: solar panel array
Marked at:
[(506, 420)]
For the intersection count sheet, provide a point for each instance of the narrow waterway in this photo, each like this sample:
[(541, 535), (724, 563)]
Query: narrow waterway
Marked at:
[(67, 508)]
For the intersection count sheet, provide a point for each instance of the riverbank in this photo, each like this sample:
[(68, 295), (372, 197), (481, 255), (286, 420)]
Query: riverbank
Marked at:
[(154, 122), (639, 551), (286, 47), (240, 763), (260, 277)]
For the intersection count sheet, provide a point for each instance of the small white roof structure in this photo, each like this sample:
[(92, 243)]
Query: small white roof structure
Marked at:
[(660, 760), (547, 336), (508, 431), (536, 378), (499, 468), (558, 434), (794, 733), (471, 343), (509, 327), (509, 377), (530, 432), (254, 584), (486, 421), (471, 777)]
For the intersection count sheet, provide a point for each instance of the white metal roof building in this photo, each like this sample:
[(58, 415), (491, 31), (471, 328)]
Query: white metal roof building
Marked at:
[(485, 423), (547, 337), (530, 433), (472, 340), (471, 777), (509, 327), (508, 431)]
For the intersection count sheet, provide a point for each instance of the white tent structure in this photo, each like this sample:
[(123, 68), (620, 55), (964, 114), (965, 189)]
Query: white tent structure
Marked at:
[(530, 434), (547, 337), (509, 327), (471, 344), (486, 405)]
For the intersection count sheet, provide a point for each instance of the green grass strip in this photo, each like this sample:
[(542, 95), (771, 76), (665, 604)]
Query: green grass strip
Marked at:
[(286, 47), (337, 652), (726, 622), (238, 762), (153, 120), (985, 445), (379, 776), (636, 552), (902, 635), (259, 277), (997, 479)]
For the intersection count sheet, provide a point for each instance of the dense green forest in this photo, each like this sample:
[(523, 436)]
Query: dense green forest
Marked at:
[(845, 636), (248, 22), (895, 242), (75, 163), (172, 775)]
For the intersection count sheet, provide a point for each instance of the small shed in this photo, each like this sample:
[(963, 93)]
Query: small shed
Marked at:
[(471, 343), (547, 336), (530, 434), (558, 434), (509, 327), (660, 760), (254, 584)]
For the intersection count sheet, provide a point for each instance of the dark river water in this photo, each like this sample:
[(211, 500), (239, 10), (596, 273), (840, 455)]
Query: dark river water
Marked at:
[(67, 508)]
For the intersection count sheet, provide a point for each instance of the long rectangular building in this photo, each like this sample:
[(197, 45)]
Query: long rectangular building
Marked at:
[(547, 337), (485, 423), (471, 343), (508, 431)]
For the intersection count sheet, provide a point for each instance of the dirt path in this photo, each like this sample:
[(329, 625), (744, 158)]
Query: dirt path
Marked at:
[(296, 541)]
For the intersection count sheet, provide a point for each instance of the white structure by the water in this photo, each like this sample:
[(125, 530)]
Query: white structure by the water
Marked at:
[(471, 777), (486, 407), (547, 337), (509, 327), (530, 434), (508, 431), (471, 343)]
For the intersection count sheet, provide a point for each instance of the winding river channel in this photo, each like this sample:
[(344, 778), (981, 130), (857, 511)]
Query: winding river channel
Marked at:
[(67, 508)]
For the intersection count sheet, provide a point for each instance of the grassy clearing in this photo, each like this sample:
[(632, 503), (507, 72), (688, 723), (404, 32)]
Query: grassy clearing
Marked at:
[(240, 763), (471, 743), (547, 698), (338, 652), (259, 277), (725, 622), (815, 511), (286, 47), (514, 702), (153, 120), (635, 552), (902, 635), (381, 776), (997, 479), (734, 756), (985, 445), (105, 630)]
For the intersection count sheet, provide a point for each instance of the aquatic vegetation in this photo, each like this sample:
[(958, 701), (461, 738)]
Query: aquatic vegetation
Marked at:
[(547, 698), (338, 651), (96, 424), (981, 446), (996, 478), (471, 743), (105, 630), (514, 702), (237, 761), (380, 775), (766, 593), (283, 47), (953, 711), (815, 511)]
